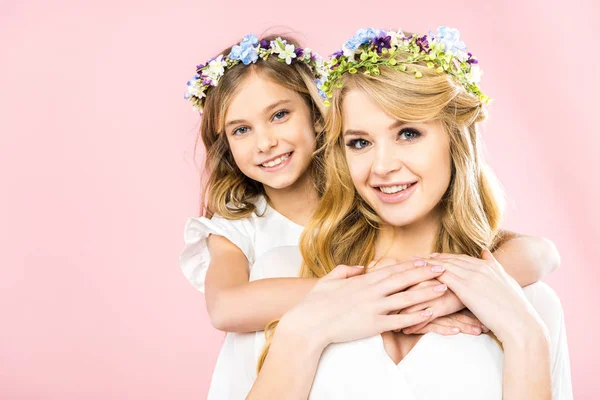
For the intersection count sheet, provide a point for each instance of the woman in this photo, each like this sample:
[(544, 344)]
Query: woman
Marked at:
[(404, 176)]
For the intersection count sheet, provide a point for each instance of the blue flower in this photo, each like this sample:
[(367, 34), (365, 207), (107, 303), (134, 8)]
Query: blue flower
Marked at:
[(362, 36), (246, 50), (450, 37)]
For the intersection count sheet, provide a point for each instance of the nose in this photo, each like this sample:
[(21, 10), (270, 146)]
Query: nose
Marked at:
[(387, 160), (266, 140)]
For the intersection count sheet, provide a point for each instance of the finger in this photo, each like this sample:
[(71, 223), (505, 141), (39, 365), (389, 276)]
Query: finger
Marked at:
[(414, 329), (463, 327), (457, 262), (431, 282), (399, 301), (418, 307), (487, 255), (465, 319), (380, 274), (436, 328), (402, 280), (463, 257), (394, 322), (455, 282), (344, 272)]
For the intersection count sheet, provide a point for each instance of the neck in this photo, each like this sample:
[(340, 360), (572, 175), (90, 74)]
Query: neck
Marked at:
[(417, 239), (296, 202)]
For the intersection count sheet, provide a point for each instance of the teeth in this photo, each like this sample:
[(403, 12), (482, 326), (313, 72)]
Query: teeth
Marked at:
[(392, 189), (276, 161)]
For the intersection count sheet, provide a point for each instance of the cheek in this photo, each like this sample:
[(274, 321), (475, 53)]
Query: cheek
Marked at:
[(359, 169)]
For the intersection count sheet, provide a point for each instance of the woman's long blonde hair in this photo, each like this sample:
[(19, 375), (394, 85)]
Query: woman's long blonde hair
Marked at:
[(226, 190), (343, 229)]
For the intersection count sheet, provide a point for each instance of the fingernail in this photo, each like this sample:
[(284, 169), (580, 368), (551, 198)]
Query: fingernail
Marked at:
[(434, 254), (437, 268), (358, 266), (427, 313), (476, 330), (455, 330), (440, 288), (416, 258), (420, 263)]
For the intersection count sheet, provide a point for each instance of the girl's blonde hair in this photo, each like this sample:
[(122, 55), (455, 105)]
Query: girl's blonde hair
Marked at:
[(343, 229), (226, 190)]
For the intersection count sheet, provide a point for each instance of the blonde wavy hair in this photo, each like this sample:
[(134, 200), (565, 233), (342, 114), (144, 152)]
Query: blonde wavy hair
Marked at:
[(343, 229), (225, 189)]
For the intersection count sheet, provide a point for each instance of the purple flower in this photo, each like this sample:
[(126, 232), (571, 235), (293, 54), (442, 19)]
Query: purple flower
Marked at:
[(299, 52), (382, 42), (264, 44), (423, 43), (199, 67), (206, 81), (337, 54), (471, 59)]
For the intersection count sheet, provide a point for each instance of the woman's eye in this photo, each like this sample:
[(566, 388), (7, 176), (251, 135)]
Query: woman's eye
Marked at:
[(240, 131), (409, 134), (358, 144), (280, 114)]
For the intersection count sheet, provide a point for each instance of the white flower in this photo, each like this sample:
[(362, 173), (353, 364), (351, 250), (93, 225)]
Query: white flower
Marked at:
[(474, 75), (196, 89), (288, 53), (216, 69), (349, 53), (395, 37)]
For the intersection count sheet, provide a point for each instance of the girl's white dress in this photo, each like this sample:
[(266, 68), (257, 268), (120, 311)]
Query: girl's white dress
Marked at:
[(439, 367)]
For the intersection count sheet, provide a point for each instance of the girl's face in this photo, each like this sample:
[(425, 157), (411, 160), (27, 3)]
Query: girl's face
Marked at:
[(270, 132), (400, 169)]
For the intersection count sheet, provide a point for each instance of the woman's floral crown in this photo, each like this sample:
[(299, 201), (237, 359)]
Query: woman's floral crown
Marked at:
[(371, 48), (249, 51)]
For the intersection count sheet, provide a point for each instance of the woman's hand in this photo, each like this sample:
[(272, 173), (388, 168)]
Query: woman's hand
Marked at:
[(347, 304), (491, 294)]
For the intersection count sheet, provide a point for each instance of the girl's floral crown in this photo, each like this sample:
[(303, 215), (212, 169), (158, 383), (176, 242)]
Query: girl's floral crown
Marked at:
[(249, 51), (370, 48)]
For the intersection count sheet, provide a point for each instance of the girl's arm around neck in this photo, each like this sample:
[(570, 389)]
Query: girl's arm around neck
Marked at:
[(236, 305)]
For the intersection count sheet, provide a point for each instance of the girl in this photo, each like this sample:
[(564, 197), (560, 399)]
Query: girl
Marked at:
[(405, 173), (262, 122)]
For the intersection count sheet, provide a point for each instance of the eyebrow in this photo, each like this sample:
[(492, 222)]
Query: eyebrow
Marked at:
[(397, 124), (266, 110)]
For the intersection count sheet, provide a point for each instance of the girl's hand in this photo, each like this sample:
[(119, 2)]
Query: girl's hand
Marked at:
[(460, 322), (347, 304), (491, 294)]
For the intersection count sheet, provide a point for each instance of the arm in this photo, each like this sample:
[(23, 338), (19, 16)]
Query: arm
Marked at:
[(290, 366), (526, 258), (236, 305)]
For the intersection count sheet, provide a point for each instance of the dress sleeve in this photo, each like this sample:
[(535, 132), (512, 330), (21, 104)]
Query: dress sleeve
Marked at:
[(548, 306), (195, 258)]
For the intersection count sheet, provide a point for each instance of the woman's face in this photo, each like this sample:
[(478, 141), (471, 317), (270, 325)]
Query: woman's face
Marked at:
[(400, 169), (270, 132)]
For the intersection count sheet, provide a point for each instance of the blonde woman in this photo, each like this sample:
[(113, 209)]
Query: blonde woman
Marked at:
[(404, 176)]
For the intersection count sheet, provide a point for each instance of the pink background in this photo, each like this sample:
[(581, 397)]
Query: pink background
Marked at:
[(97, 173)]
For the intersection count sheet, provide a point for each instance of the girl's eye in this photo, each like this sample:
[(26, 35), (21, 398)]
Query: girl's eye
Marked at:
[(280, 114), (358, 144), (409, 134), (240, 131)]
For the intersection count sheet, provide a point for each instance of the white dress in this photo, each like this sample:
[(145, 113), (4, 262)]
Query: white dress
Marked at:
[(439, 367), (235, 370)]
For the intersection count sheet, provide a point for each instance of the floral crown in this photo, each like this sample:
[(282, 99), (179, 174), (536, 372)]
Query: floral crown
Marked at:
[(371, 48), (249, 51)]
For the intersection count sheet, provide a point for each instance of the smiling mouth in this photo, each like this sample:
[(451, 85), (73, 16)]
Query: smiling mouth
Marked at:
[(394, 189), (277, 161)]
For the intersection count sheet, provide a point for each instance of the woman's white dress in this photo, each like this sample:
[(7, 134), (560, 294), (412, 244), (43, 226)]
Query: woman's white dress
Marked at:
[(439, 367)]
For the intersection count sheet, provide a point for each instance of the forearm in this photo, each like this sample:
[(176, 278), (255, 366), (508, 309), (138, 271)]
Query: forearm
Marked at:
[(289, 369), (250, 306), (527, 372), (528, 259)]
